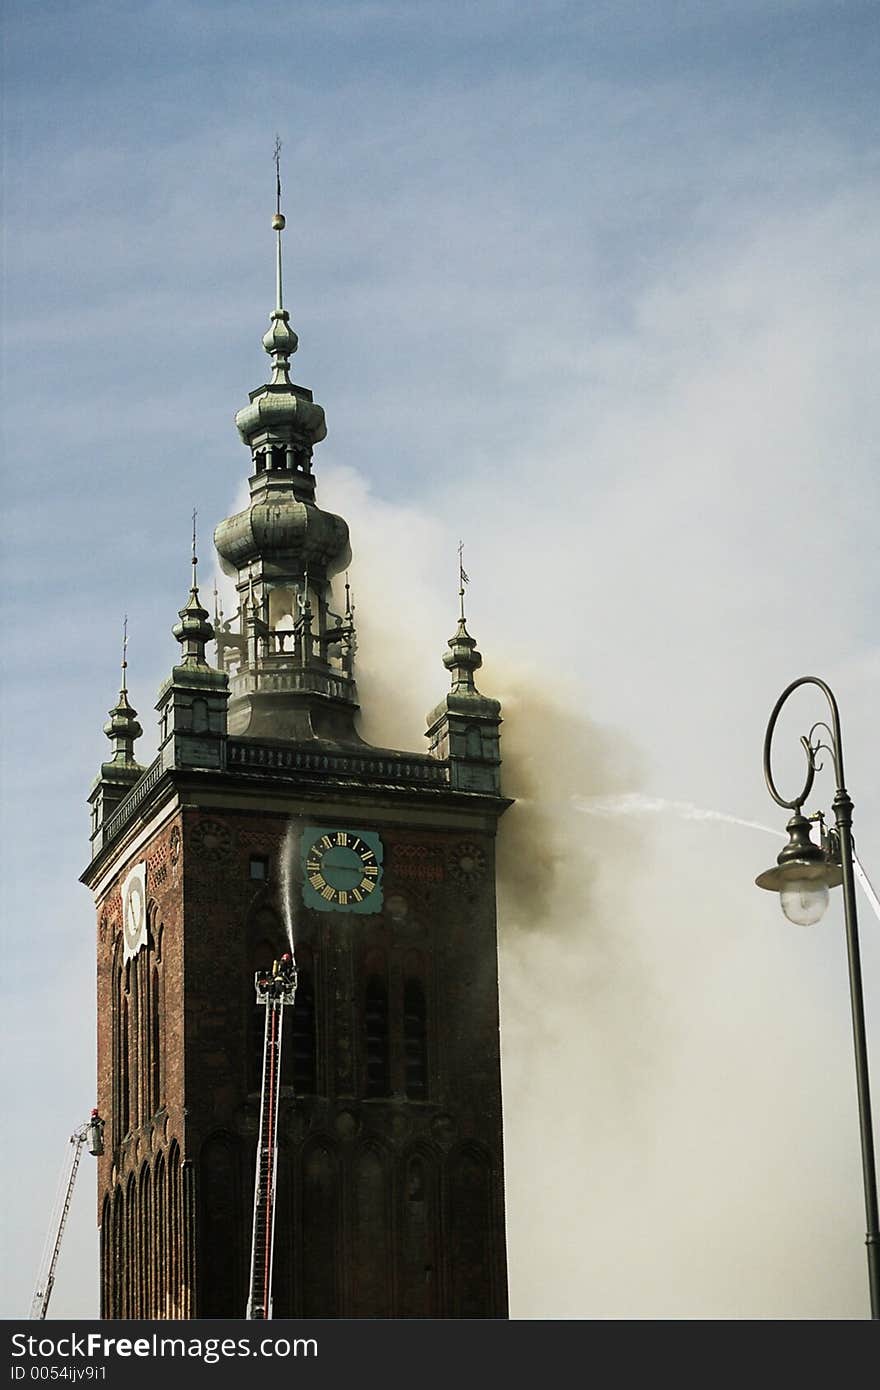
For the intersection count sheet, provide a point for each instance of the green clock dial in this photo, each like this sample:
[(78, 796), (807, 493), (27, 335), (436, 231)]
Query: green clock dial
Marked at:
[(342, 870)]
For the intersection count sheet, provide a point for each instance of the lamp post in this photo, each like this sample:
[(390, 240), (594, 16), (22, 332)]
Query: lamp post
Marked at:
[(803, 874)]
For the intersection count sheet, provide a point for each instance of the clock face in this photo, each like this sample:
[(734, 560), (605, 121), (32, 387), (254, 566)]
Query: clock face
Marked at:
[(134, 911), (342, 870)]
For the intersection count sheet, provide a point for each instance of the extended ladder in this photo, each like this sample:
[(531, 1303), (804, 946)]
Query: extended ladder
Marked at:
[(93, 1131), (275, 991)]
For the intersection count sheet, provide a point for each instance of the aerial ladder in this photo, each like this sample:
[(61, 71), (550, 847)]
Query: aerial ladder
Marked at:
[(91, 1133), (276, 990)]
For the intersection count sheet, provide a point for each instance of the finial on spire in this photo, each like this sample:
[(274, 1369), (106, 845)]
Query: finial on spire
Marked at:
[(462, 580), (195, 585), (124, 652), (280, 341), (278, 224)]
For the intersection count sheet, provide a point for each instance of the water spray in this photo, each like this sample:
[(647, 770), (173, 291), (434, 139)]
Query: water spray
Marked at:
[(635, 803)]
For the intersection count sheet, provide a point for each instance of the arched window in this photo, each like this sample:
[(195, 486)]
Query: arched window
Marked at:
[(220, 1275), (134, 1037), (145, 1243), (376, 1037), (160, 1241), (119, 1036), (155, 1047), (124, 1078), (106, 1258), (174, 1209), (117, 1255), (415, 1040), (131, 1245), (303, 1050)]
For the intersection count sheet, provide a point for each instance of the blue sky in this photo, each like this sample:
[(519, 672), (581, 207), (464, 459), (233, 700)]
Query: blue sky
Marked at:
[(596, 287)]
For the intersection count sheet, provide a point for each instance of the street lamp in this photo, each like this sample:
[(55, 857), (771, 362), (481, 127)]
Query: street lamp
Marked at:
[(803, 874)]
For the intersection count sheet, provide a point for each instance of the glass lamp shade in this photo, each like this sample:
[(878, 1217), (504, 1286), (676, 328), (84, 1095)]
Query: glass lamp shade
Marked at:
[(804, 901)]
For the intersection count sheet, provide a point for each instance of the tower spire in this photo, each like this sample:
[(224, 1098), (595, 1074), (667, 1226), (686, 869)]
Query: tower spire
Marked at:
[(280, 342), (462, 580), (123, 688), (123, 728), (463, 727), (194, 629), (278, 223)]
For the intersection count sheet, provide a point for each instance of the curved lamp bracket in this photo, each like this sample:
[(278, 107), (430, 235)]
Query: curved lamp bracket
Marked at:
[(812, 745)]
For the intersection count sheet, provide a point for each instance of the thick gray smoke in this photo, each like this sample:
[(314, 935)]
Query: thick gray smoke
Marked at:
[(662, 1156)]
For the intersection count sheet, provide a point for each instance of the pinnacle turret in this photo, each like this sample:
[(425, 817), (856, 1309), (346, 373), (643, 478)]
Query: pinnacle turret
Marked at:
[(463, 727), (194, 630), (122, 727), (462, 659)]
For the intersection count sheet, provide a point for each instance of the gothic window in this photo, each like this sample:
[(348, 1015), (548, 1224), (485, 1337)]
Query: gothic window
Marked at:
[(220, 1227), (106, 1258), (302, 1027), (131, 1244), (376, 1039), (123, 1090), (134, 1021), (145, 1242), (320, 1232), (415, 1040), (160, 1241), (369, 1272), (418, 1238), (119, 1042), (174, 1209), (117, 1255), (155, 1048)]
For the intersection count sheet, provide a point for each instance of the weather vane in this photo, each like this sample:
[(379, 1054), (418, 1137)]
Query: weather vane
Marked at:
[(462, 578)]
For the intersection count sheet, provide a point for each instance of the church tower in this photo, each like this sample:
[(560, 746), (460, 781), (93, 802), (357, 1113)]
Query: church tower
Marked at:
[(266, 819)]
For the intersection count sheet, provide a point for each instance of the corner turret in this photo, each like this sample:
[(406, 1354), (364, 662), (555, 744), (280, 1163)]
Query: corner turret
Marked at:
[(464, 727), (192, 702), (118, 776)]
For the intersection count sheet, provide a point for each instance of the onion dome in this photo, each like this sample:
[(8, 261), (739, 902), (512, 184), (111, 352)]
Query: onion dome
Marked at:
[(294, 535), (462, 659), (123, 728), (280, 413), (194, 630)]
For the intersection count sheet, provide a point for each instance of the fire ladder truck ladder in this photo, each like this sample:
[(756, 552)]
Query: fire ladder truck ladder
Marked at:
[(52, 1248), (263, 1239), (92, 1133)]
